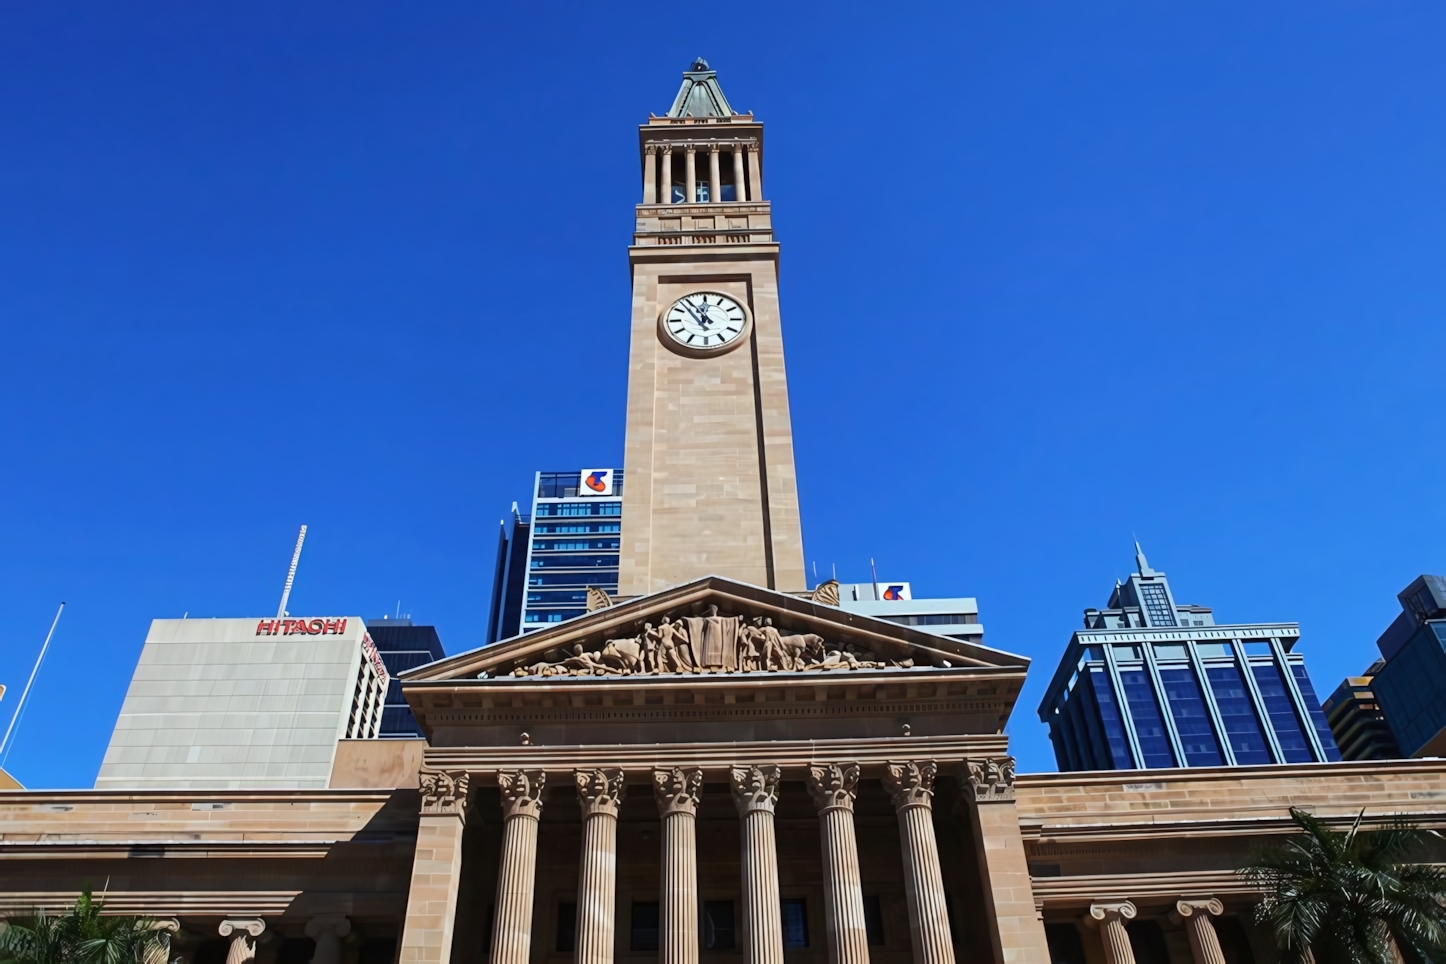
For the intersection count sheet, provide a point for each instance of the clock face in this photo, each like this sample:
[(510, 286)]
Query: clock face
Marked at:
[(705, 320)]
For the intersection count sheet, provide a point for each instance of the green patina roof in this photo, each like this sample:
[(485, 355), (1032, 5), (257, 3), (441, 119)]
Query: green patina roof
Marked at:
[(700, 95)]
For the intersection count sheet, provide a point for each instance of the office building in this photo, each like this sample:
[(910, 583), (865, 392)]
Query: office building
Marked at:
[(1151, 683), (402, 646), (955, 617), (1411, 687), (1356, 720), (549, 558), (245, 703)]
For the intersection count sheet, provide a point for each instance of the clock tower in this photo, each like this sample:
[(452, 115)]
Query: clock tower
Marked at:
[(709, 454)]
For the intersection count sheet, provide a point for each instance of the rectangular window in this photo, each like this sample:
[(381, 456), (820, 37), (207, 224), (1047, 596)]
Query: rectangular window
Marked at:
[(1126, 651), (1207, 650), (1170, 651), (1149, 726), (566, 926), (1238, 715), (1157, 604), (1258, 647), (874, 920), (1283, 720), (1192, 720), (795, 923), (1110, 720), (1317, 716), (718, 932), (645, 925)]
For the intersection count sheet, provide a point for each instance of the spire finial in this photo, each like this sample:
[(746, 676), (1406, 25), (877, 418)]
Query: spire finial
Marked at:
[(699, 64), (1141, 563)]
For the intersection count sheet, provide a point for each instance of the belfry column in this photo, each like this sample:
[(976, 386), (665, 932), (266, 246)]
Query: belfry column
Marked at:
[(1111, 917), (755, 791), (755, 176), (599, 792), (665, 189), (1015, 927), (1204, 942), (677, 792), (690, 177), (436, 868), (715, 177), (911, 786), (516, 871), (650, 173), (740, 192), (833, 787)]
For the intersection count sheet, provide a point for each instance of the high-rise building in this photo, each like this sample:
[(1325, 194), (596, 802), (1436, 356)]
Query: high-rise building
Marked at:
[(549, 559), (1153, 683), (956, 617), (1411, 687), (1356, 720), (402, 646)]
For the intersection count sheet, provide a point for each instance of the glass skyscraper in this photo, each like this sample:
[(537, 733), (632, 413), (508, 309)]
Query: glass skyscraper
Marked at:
[(1151, 683), (549, 558), (402, 646)]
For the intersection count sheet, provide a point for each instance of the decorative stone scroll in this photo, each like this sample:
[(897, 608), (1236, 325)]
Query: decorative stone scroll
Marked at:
[(911, 784), (825, 593), (755, 788), (598, 598), (444, 791), (243, 934), (521, 792), (677, 790), (833, 785), (711, 643), (991, 780), (599, 791)]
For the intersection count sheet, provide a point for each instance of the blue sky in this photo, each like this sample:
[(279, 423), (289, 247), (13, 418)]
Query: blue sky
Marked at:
[(1054, 275)]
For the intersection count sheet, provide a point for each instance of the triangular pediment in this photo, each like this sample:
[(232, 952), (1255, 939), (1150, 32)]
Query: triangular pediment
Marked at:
[(717, 625)]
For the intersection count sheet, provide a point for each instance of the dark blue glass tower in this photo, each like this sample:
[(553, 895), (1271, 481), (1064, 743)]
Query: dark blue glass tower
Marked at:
[(1150, 683), (402, 646)]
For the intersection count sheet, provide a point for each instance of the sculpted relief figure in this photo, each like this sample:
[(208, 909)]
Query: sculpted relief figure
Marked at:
[(711, 643)]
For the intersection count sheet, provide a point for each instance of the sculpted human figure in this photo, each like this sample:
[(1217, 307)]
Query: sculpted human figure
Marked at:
[(774, 655), (583, 660), (648, 639), (674, 654), (715, 640)]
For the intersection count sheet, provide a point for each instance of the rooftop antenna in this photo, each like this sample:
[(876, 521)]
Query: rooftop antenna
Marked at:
[(876, 578), (291, 574), (5, 743)]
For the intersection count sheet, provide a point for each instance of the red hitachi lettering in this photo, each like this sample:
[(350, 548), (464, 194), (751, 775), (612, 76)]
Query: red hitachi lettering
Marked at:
[(315, 627), (341, 627), (330, 627), (267, 627)]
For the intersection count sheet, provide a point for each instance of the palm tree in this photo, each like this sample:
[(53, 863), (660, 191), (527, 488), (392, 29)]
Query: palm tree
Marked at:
[(1351, 898), (83, 936)]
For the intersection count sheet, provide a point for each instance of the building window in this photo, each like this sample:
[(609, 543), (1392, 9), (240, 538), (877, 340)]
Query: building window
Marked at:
[(1317, 716), (1207, 650), (566, 926), (1170, 651), (1157, 604), (1149, 725), (1126, 651), (1192, 721), (1288, 732), (718, 932), (1236, 712), (1110, 719), (645, 925), (874, 920), (795, 923)]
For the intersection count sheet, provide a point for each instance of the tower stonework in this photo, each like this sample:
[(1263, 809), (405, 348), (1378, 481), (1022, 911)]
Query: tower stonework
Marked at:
[(709, 453)]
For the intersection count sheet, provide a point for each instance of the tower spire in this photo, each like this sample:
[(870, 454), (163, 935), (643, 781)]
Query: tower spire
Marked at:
[(1141, 563), (700, 95)]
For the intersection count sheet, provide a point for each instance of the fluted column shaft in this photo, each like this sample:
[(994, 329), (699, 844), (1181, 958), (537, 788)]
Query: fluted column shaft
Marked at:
[(740, 192), (911, 786), (1116, 940), (517, 870), (665, 189), (755, 175), (599, 792), (690, 178), (1204, 943), (650, 174), (833, 788), (677, 794), (755, 791), (715, 177)]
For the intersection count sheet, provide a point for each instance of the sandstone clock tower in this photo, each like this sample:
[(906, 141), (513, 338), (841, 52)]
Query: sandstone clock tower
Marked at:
[(710, 486)]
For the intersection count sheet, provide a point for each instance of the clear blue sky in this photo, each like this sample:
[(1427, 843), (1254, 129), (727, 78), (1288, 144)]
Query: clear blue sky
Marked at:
[(1054, 274)]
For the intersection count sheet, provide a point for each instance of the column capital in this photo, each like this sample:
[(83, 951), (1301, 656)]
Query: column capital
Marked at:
[(833, 785), (445, 791), (714, 147), (911, 784), (170, 925), (599, 791), (252, 926), (650, 148), (666, 148), (331, 925), (677, 790), (1107, 910), (991, 780), (755, 787), (1189, 907), (521, 792)]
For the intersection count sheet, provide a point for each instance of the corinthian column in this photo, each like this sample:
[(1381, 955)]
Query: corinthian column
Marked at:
[(677, 791), (599, 792), (833, 787), (243, 934), (665, 189), (1196, 914), (911, 786), (521, 808), (755, 791), (715, 179), (1111, 919)]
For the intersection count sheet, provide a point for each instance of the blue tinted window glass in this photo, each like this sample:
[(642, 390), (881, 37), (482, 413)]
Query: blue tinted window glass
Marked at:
[(1157, 604), (1282, 714), (573, 562), (1317, 715), (1192, 720), (1238, 715), (1149, 727), (1114, 726)]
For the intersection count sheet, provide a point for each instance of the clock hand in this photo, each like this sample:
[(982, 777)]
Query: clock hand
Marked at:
[(702, 321)]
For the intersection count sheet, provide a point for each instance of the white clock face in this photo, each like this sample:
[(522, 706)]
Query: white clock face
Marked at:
[(705, 320)]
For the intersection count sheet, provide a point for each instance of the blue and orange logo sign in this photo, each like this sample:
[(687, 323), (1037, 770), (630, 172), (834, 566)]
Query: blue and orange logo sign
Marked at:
[(894, 593), (599, 480)]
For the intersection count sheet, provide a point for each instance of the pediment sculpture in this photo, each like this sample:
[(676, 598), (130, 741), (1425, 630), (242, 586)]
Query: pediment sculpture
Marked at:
[(711, 643)]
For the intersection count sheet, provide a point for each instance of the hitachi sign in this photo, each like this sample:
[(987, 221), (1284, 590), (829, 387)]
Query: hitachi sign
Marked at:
[(301, 627)]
